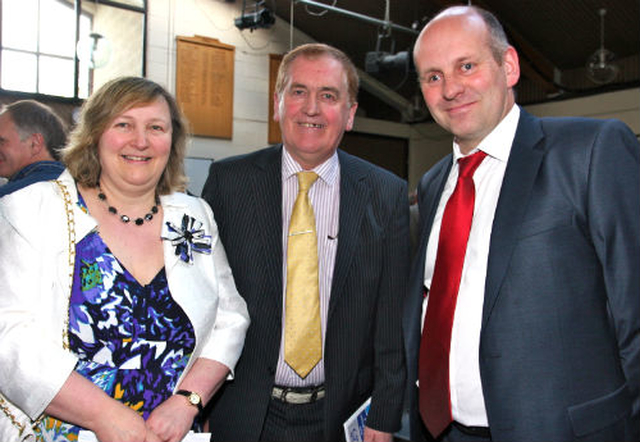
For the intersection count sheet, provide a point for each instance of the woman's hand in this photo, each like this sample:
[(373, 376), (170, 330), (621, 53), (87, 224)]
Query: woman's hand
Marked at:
[(172, 419), (120, 423), (82, 403)]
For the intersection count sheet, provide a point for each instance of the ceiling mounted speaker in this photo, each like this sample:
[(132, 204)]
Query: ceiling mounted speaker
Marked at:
[(601, 68)]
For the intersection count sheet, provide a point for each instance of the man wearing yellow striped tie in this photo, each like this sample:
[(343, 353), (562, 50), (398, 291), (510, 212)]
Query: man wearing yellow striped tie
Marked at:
[(318, 241)]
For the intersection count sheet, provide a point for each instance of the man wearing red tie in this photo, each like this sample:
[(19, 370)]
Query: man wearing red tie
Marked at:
[(523, 317)]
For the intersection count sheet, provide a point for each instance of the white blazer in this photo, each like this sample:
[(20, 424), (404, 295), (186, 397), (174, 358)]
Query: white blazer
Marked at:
[(35, 288)]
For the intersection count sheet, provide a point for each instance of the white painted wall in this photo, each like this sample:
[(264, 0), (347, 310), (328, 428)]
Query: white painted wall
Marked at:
[(429, 142), (623, 105), (215, 18)]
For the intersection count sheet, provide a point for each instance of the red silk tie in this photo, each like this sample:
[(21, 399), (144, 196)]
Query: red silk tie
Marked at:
[(434, 394)]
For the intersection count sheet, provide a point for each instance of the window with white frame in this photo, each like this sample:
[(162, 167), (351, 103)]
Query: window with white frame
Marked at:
[(67, 48)]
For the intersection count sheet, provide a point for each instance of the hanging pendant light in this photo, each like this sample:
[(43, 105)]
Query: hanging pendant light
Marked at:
[(94, 49), (600, 66)]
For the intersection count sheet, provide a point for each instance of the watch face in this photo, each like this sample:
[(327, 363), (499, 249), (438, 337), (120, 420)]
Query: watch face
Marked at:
[(194, 399)]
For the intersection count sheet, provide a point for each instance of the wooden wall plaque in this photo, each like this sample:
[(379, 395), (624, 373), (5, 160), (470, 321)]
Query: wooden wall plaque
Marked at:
[(204, 85), (275, 136)]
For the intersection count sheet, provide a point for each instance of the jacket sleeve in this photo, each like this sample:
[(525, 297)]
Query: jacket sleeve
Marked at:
[(390, 368), (33, 297), (614, 224), (226, 339)]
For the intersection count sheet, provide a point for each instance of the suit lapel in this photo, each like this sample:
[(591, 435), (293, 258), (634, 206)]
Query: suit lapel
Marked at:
[(173, 212), (354, 198), (525, 158), (430, 199), (173, 215), (430, 193), (266, 190)]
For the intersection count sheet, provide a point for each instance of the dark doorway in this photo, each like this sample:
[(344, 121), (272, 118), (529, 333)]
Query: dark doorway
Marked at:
[(390, 153)]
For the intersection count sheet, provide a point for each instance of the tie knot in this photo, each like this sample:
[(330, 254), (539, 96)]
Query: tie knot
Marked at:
[(470, 163), (305, 180)]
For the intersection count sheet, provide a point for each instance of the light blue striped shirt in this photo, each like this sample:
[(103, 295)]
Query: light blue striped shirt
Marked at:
[(325, 199)]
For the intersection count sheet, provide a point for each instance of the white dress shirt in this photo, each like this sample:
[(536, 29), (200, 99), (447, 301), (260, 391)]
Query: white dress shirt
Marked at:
[(467, 401), (325, 199)]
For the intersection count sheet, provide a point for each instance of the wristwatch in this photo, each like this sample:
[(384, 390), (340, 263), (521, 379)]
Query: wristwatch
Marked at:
[(193, 398)]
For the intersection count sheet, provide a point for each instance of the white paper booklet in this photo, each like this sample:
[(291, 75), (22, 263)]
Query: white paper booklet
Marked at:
[(88, 436), (354, 426)]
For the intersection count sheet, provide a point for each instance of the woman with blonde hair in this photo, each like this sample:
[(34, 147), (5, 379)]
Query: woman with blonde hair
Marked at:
[(118, 309)]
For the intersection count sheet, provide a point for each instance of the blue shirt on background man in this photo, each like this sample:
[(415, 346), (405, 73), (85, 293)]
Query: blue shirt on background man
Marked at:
[(31, 138), (34, 172)]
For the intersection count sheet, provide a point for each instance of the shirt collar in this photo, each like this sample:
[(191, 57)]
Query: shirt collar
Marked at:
[(327, 171), (498, 143), (36, 167)]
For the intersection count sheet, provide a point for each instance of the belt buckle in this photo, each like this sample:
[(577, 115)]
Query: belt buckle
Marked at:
[(283, 394)]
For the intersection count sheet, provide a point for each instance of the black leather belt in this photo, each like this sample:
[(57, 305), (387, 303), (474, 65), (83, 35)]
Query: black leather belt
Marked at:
[(473, 431), (298, 395)]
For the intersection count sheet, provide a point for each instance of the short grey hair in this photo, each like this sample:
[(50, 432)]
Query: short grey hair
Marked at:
[(31, 117)]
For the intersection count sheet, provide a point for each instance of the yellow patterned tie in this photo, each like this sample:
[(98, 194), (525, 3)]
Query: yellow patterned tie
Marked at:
[(303, 339)]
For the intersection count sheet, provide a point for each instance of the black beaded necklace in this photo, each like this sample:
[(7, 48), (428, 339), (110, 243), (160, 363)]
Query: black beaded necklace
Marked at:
[(125, 218)]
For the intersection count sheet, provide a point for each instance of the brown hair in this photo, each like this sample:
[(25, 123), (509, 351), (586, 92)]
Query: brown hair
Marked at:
[(112, 99), (316, 50)]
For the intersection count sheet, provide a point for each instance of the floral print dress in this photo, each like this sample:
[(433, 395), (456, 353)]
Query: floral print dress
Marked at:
[(133, 340)]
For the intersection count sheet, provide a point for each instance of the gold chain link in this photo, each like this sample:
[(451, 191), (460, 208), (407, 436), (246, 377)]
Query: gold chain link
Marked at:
[(71, 231), (5, 409)]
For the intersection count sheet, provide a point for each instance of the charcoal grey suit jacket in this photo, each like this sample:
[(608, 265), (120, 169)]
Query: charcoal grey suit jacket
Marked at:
[(560, 339)]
